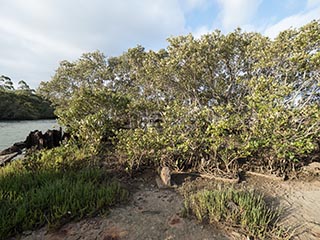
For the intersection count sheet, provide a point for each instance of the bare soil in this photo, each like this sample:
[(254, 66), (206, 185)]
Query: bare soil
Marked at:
[(151, 213), (300, 201), (157, 213)]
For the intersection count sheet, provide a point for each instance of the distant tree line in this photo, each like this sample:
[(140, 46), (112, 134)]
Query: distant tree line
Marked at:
[(22, 103), (214, 104)]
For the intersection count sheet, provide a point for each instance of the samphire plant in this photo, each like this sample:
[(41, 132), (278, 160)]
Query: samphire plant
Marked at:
[(243, 209)]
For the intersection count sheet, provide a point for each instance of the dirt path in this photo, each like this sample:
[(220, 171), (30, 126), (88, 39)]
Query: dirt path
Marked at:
[(152, 213)]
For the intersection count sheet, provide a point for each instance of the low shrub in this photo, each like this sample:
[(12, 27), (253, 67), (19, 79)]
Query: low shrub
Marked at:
[(66, 157), (138, 147), (178, 140)]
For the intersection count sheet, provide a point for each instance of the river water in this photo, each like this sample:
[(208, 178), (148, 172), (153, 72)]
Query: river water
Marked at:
[(16, 131)]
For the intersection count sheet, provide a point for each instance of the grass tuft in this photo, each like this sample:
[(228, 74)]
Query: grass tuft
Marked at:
[(236, 208)]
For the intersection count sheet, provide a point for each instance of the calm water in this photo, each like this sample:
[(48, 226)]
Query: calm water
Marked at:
[(16, 131)]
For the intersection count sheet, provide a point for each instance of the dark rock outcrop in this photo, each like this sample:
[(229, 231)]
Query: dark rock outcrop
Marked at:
[(50, 139), (36, 140), (20, 145), (10, 150)]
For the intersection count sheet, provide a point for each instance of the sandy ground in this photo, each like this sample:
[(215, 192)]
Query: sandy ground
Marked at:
[(154, 213), (300, 201)]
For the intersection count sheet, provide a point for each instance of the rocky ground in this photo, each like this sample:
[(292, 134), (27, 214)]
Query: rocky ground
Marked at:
[(157, 213)]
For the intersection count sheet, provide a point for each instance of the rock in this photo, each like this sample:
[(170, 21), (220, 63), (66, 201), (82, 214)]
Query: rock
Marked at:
[(175, 221), (20, 145), (160, 183), (115, 232), (50, 139), (10, 150), (312, 168), (34, 139), (4, 159), (165, 176)]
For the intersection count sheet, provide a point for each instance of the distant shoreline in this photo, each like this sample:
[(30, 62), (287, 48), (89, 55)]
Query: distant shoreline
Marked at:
[(25, 119)]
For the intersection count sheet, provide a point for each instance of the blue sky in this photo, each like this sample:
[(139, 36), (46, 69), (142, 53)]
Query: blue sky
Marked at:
[(37, 34)]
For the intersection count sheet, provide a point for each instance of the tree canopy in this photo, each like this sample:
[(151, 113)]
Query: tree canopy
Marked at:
[(215, 103), (22, 103)]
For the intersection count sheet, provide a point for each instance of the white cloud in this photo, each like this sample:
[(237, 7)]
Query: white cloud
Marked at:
[(197, 33), (233, 14), (41, 41), (190, 5), (296, 20), (237, 12), (37, 34)]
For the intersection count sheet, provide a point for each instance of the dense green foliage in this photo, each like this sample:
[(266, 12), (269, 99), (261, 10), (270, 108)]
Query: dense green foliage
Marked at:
[(213, 104), (237, 208), (53, 187), (216, 104), (22, 103), (20, 106)]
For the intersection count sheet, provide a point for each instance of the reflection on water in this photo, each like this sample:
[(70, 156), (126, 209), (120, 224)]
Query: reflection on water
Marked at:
[(16, 131)]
